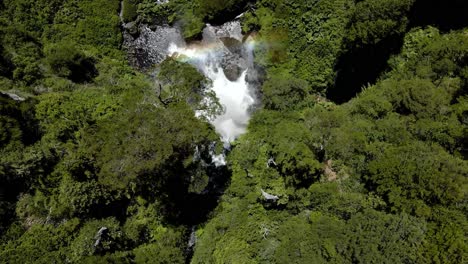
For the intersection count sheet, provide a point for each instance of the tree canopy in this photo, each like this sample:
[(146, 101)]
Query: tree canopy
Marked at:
[(356, 152)]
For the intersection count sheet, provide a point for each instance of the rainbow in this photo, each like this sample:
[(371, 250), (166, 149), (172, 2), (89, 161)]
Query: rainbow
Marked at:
[(197, 51)]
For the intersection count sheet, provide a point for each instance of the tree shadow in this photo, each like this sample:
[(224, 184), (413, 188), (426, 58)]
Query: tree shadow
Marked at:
[(190, 208), (361, 66), (444, 15)]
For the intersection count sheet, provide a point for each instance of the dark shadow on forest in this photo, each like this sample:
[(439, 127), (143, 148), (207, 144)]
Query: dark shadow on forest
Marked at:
[(190, 209), (83, 71), (361, 66), (223, 16), (445, 15)]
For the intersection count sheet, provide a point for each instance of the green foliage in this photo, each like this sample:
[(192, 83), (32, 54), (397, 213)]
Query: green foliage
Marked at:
[(280, 94), (165, 244), (67, 61), (89, 242), (181, 82), (153, 253), (10, 119), (62, 115), (226, 235), (81, 198), (416, 176), (59, 26), (129, 10), (343, 198), (375, 20), (374, 237), (100, 26), (303, 240), (446, 239), (294, 43), (154, 140), (40, 244)]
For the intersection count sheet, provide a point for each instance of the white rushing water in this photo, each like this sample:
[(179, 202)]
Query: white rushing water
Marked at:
[(235, 96)]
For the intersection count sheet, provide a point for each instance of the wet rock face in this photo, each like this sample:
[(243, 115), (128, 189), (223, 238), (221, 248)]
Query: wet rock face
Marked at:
[(233, 62), (229, 36), (231, 29), (150, 47)]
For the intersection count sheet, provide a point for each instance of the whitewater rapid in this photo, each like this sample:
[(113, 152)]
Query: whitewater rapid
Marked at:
[(234, 95)]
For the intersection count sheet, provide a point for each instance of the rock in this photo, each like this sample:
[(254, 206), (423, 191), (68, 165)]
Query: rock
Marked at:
[(14, 96), (131, 28), (233, 65), (229, 36), (269, 197), (233, 45), (232, 71), (230, 29), (150, 46), (193, 238), (271, 162), (102, 231), (233, 61)]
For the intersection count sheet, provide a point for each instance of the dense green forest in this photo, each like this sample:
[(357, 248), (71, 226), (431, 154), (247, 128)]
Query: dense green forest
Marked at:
[(364, 112)]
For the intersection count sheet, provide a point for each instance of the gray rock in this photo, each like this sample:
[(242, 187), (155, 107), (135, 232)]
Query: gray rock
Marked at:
[(150, 47), (271, 162), (230, 29), (269, 197), (99, 235), (14, 96), (193, 238), (131, 28)]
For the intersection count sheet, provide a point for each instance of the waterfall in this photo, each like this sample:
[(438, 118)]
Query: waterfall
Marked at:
[(222, 50)]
